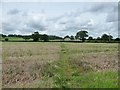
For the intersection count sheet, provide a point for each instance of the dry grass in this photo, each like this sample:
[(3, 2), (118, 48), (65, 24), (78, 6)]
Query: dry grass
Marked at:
[(99, 57), (24, 63)]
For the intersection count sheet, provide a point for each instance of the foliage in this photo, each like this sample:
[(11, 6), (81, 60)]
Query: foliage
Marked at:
[(106, 37), (35, 36), (72, 37), (26, 37), (14, 35), (44, 37), (81, 35), (6, 39), (98, 38), (2, 35), (117, 39), (51, 37), (90, 38)]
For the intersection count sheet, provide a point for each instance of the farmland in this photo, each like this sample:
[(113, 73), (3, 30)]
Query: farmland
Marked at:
[(59, 65)]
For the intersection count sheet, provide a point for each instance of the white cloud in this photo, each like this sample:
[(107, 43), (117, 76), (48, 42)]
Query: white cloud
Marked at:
[(96, 19), (24, 23)]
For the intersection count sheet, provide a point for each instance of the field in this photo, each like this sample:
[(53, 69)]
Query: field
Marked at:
[(14, 39), (59, 65)]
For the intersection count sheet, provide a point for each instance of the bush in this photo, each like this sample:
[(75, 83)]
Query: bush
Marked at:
[(6, 39)]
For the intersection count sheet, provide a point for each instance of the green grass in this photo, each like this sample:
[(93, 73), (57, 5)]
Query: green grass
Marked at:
[(98, 80), (64, 69), (15, 39), (68, 75)]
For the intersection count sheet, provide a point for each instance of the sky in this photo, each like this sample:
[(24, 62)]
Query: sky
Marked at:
[(59, 18)]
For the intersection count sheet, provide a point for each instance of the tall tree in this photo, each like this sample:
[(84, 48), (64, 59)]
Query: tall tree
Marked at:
[(98, 38), (106, 37), (72, 37), (35, 36), (81, 35)]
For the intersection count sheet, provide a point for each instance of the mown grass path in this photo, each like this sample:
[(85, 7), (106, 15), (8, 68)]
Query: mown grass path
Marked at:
[(68, 75), (65, 71)]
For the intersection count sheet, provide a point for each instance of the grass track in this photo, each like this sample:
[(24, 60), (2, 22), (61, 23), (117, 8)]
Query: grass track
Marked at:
[(64, 69), (67, 75)]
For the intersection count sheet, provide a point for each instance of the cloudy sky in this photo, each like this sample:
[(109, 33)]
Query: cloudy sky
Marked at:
[(60, 18)]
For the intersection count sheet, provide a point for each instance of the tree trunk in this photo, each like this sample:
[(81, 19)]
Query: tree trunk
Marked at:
[(83, 40)]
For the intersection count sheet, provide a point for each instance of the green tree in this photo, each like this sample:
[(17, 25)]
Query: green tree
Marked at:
[(90, 38), (98, 38), (44, 37), (72, 37), (81, 35), (106, 37), (6, 39), (2, 35), (26, 37), (36, 36), (117, 39)]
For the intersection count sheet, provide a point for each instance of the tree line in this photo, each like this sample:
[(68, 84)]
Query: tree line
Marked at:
[(35, 36), (80, 35)]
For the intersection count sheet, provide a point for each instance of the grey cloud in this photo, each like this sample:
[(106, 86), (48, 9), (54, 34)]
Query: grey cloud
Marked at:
[(8, 26), (13, 11), (119, 12), (23, 23), (36, 26), (112, 17), (72, 25), (109, 8), (103, 7)]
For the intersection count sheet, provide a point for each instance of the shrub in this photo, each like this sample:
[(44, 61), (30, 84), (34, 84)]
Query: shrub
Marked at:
[(6, 39)]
